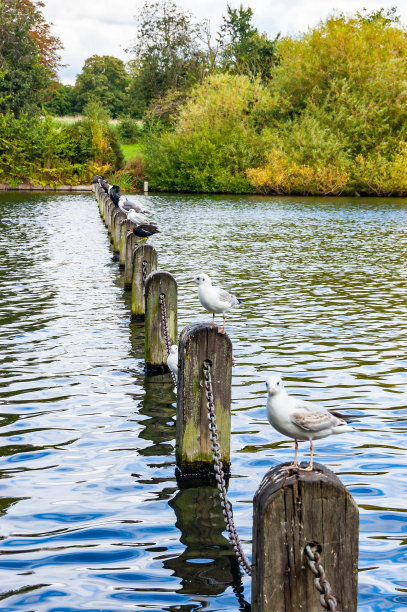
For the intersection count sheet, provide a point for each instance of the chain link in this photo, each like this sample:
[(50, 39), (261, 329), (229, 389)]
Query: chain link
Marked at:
[(326, 598), (219, 473), (164, 327), (145, 274)]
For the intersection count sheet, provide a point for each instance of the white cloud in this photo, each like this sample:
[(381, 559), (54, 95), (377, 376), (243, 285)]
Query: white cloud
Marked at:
[(107, 27)]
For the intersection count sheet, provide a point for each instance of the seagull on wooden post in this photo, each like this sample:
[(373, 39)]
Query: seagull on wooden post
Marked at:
[(214, 299), (298, 419)]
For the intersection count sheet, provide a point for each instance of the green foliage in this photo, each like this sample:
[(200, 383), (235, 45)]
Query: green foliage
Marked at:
[(215, 139), (103, 78), (62, 101), (339, 102), (28, 55), (129, 130), (167, 54), (243, 49)]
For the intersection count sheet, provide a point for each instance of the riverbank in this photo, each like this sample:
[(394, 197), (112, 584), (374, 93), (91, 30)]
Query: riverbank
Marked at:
[(31, 187)]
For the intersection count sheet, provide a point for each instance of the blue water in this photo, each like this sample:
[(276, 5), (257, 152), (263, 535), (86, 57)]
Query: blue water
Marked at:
[(91, 516)]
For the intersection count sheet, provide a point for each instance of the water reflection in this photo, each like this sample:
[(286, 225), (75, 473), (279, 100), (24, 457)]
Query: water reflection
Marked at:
[(93, 517)]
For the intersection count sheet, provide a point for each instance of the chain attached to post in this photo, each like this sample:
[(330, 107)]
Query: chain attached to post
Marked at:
[(145, 264), (220, 476), (164, 327), (313, 557)]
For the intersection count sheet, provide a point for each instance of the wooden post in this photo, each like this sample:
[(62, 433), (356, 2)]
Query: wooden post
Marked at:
[(144, 262), (145, 186), (110, 207), (159, 283), (125, 226), (131, 243), (291, 510), (200, 342), (118, 217)]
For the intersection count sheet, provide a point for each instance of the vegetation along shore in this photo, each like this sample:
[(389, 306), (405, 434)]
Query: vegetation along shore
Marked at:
[(323, 112)]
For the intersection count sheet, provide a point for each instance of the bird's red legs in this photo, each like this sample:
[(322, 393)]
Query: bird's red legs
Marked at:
[(223, 331), (296, 454), (213, 320)]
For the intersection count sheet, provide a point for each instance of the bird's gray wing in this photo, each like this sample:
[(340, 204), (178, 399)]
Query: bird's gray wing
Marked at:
[(226, 297), (314, 421)]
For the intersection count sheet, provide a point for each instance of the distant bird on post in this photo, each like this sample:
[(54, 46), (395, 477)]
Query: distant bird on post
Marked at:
[(214, 299), (126, 205), (298, 419)]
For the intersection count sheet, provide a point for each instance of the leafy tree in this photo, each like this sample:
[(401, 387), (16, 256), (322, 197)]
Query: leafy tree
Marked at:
[(243, 49), (103, 78), (62, 100), (28, 55), (167, 54)]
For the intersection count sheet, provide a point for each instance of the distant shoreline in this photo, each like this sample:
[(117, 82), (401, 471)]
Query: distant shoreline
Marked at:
[(30, 187)]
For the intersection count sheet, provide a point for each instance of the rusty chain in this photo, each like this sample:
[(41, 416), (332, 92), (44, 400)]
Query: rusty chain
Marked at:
[(313, 557), (144, 272), (164, 327), (220, 476)]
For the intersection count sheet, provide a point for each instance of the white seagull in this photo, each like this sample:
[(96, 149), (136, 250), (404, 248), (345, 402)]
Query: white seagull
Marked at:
[(298, 419), (214, 299), (125, 205), (137, 218), (172, 360)]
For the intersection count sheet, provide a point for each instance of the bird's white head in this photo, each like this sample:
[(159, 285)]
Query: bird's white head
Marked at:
[(202, 279), (173, 349), (274, 384)]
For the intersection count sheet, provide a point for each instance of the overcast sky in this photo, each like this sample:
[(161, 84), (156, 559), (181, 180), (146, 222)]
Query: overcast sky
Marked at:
[(106, 27)]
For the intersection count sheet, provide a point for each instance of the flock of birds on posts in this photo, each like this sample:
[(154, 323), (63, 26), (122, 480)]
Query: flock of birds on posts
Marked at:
[(136, 214), (292, 417)]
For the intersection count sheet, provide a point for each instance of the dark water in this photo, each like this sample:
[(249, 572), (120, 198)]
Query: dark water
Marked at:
[(91, 515)]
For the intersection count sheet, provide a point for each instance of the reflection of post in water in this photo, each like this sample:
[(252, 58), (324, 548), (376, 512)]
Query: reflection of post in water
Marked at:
[(208, 565), (158, 405)]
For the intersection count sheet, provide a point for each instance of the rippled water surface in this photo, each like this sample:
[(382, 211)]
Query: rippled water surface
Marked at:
[(91, 514)]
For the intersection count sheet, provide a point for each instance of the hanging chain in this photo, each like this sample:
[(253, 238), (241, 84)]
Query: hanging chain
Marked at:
[(326, 598), (145, 266), (220, 476), (164, 327)]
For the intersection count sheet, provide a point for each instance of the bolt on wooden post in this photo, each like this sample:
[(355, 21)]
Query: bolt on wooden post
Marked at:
[(144, 262), (198, 343), (292, 509), (159, 284)]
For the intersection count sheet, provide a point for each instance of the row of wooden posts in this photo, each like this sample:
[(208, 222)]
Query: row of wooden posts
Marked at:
[(292, 508)]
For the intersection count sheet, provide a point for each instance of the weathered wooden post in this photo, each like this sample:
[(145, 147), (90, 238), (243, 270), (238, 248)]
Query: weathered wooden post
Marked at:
[(160, 320), (125, 227), (115, 213), (118, 218), (144, 262), (132, 242), (110, 207), (200, 344), (294, 508)]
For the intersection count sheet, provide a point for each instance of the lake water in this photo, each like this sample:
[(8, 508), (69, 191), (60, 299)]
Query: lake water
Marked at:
[(91, 514)]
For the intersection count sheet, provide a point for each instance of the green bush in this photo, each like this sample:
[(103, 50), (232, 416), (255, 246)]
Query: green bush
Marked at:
[(215, 139), (129, 130)]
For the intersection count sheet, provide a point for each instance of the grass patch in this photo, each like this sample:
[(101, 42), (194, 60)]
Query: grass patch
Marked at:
[(132, 150)]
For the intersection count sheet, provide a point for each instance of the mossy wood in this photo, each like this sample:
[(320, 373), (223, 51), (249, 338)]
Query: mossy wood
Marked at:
[(201, 342), (145, 256), (110, 210), (124, 230), (159, 283), (292, 509), (132, 242)]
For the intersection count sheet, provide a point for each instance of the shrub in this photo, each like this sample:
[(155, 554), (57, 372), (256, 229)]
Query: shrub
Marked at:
[(129, 130)]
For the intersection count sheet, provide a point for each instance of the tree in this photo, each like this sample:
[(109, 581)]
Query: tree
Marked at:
[(167, 53), (62, 100), (28, 55), (243, 49), (104, 78)]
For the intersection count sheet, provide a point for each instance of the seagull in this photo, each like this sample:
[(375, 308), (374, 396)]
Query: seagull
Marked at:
[(136, 218), (298, 419), (214, 299), (172, 360), (125, 205)]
